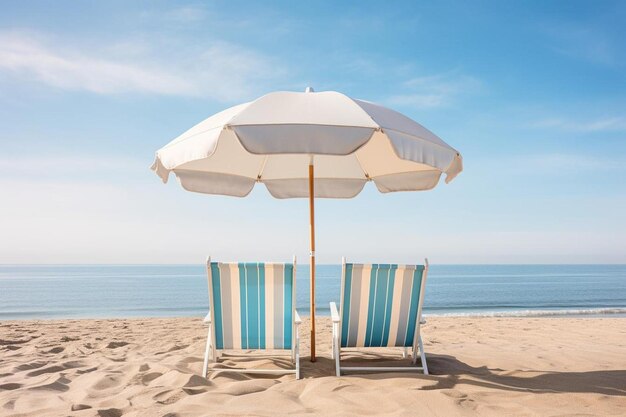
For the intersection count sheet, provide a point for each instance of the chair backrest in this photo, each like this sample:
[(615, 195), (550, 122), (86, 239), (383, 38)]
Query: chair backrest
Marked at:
[(252, 304), (381, 304)]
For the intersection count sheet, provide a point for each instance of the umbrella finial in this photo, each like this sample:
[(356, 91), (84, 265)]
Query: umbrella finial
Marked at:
[(309, 90)]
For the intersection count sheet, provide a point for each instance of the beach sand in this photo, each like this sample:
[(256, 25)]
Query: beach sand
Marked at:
[(150, 367)]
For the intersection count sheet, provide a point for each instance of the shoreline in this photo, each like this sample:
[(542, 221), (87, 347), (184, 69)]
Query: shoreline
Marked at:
[(600, 312)]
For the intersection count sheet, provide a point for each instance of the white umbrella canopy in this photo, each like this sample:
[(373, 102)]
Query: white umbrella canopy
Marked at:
[(273, 140), (310, 145)]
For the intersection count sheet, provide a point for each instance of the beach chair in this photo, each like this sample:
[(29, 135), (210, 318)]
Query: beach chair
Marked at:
[(381, 306), (252, 307)]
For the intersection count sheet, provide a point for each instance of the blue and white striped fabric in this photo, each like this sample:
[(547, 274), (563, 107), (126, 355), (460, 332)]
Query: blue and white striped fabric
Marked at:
[(252, 305), (380, 303)]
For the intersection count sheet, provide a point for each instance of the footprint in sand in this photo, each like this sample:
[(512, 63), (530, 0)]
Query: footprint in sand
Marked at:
[(149, 377), (48, 370), (10, 386), (57, 349), (115, 345), (110, 412), (12, 347), (4, 342), (169, 396), (85, 371), (27, 366), (107, 382), (60, 385), (56, 368), (65, 339)]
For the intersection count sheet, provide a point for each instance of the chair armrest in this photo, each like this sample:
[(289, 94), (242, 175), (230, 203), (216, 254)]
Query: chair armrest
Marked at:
[(297, 317), (207, 318), (333, 312)]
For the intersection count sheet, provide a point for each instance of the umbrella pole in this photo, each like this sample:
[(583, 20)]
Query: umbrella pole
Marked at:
[(312, 259)]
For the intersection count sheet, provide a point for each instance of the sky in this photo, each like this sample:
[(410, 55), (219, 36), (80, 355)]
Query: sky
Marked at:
[(533, 94)]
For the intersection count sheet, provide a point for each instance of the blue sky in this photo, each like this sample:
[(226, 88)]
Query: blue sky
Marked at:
[(533, 94)]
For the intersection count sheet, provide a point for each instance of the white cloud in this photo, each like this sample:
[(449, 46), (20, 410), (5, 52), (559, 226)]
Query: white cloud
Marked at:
[(186, 14), (540, 165), (569, 162), (434, 90), (606, 124), (219, 70), (588, 43)]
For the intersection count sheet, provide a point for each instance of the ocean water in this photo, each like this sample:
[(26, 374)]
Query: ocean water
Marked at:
[(86, 291)]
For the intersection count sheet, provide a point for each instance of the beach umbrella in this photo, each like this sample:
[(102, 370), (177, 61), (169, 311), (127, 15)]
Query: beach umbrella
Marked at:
[(311, 144)]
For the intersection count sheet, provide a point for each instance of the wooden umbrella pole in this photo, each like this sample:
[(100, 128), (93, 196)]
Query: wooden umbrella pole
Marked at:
[(312, 260)]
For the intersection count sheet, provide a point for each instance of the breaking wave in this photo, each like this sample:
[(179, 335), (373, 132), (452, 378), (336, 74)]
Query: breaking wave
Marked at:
[(535, 313)]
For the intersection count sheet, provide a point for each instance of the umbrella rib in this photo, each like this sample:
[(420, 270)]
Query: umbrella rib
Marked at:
[(367, 175), (177, 170), (405, 172), (258, 178), (419, 138), (169, 145)]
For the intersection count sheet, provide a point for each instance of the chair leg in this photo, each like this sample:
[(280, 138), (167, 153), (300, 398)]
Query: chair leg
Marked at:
[(337, 354), (297, 353), (332, 353), (404, 352), (295, 342), (207, 350), (422, 355)]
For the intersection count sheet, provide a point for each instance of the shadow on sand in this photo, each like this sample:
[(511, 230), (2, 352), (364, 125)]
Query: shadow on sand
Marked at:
[(447, 371)]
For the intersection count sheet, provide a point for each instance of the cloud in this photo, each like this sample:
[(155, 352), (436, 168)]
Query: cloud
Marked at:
[(587, 46), (186, 14), (583, 42), (560, 163), (607, 124), (433, 91), (572, 162), (219, 70)]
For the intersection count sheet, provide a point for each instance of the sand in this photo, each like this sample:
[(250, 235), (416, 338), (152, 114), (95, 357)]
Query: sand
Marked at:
[(150, 367)]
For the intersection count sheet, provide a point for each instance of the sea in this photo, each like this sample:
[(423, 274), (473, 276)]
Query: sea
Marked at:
[(114, 291)]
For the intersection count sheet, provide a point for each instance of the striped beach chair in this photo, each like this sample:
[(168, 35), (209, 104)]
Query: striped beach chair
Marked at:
[(381, 306), (252, 307)]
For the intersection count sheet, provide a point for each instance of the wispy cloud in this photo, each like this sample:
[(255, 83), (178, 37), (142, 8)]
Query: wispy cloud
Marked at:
[(607, 124), (437, 90), (583, 42), (217, 70), (567, 163), (192, 13)]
